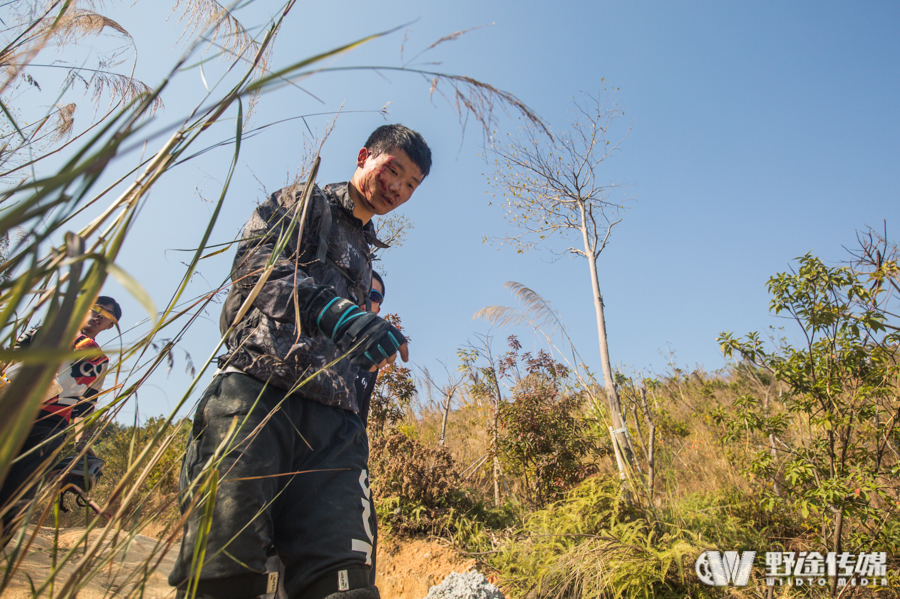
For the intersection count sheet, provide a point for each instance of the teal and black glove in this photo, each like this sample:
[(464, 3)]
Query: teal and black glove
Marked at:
[(367, 338)]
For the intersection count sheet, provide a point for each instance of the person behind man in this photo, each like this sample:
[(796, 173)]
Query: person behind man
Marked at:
[(293, 476), (365, 386), (365, 380), (80, 381), (376, 295)]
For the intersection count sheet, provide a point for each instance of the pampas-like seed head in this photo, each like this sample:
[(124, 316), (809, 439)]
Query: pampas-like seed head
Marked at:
[(65, 121)]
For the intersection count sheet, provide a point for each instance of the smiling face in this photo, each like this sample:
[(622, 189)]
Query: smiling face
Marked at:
[(382, 182)]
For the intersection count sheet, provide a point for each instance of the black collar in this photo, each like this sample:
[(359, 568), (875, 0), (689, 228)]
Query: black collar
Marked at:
[(340, 195)]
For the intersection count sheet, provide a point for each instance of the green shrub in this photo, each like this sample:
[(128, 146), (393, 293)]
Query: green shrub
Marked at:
[(590, 545), (394, 391), (821, 446), (731, 519), (543, 440)]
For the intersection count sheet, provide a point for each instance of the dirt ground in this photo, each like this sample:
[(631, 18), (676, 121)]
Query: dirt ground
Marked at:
[(406, 569), (116, 578)]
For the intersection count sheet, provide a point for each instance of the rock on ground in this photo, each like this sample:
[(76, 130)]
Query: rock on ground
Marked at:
[(471, 585)]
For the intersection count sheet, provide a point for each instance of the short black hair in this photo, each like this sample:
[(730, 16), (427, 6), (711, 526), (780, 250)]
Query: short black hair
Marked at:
[(109, 302), (390, 137), (377, 277)]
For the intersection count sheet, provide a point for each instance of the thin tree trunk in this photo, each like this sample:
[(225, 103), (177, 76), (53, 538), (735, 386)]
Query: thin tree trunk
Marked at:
[(772, 451), (495, 442), (612, 396), (496, 481), (651, 433), (446, 416), (637, 427), (838, 531)]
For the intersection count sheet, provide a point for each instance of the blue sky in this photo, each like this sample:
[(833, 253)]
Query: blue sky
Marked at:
[(759, 131)]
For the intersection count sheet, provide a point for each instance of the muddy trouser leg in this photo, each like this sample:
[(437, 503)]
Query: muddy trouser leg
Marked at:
[(276, 562), (325, 527), (24, 475), (304, 493), (241, 534)]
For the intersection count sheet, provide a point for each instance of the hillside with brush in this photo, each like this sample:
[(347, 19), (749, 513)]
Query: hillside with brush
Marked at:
[(512, 464), (522, 444)]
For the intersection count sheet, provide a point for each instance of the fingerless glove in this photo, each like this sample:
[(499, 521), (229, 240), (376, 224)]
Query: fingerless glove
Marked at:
[(367, 338)]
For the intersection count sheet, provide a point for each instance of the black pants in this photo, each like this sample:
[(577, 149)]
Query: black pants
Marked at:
[(292, 481), (26, 473)]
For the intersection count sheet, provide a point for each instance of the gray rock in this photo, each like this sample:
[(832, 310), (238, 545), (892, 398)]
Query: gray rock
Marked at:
[(470, 585)]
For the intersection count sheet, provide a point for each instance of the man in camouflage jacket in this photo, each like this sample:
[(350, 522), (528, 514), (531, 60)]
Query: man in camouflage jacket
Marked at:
[(278, 426)]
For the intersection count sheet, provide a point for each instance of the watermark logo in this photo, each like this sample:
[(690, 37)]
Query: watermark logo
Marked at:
[(791, 568), (811, 568), (722, 568)]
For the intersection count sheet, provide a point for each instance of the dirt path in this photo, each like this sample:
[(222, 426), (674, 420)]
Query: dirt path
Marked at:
[(406, 569), (114, 579)]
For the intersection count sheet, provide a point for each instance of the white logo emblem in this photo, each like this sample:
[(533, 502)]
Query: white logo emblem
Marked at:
[(357, 544), (719, 569)]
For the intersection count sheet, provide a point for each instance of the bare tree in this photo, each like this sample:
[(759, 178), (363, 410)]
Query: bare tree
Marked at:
[(636, 398), (447, 391), (484, 384), (552, 189)]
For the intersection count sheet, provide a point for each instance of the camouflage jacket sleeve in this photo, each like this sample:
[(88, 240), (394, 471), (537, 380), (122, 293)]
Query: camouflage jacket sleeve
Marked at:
[(289, 289)]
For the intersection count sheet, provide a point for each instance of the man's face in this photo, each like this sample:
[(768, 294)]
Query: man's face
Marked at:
[(385, 182), (97, 321)]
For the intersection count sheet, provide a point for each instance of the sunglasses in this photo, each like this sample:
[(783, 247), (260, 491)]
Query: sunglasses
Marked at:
[(376, 296)]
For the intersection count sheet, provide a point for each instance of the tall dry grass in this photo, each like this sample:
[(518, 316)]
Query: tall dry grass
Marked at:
[(53, 274)]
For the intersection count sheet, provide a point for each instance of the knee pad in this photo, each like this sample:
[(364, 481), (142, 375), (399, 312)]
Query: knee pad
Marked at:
[(369, 592)]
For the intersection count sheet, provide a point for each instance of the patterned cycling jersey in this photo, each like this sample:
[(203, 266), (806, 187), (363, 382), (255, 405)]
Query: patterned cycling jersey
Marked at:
[(81, 380)]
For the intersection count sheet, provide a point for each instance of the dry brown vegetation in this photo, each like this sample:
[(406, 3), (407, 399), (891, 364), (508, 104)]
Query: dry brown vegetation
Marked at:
[(708, 438), (784, 450)]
